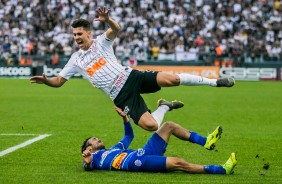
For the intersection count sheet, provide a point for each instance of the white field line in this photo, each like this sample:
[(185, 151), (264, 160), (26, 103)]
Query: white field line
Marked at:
[(20, 134), (24, 144)]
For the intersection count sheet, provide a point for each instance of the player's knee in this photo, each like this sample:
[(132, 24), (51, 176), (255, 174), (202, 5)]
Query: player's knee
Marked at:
[(165, 79), (173, 80), (149, 126), (178, 162), (176, 80), (147, 122), (169, 125)]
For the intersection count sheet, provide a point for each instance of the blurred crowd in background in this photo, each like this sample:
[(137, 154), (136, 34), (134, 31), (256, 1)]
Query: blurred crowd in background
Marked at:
[(244, 30)]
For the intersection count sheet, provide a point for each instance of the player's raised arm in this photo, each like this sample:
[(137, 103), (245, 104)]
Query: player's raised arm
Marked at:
[(53, 82), (104, 16), (128, 131)]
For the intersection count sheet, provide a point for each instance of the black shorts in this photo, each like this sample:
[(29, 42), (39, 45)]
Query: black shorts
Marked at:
[(129, 98)]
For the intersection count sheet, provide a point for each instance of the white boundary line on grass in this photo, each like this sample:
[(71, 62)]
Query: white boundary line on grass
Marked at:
[(24, 144), (19, 134)]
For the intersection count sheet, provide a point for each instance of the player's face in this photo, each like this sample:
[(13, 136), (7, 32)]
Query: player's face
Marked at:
[(96, 143), (82, 38)]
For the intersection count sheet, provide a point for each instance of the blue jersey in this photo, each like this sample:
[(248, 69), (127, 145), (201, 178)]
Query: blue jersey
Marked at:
[(148, 159)]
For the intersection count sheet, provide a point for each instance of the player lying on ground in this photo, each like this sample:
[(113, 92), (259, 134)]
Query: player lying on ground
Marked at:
[(96, 62), (151, 157)]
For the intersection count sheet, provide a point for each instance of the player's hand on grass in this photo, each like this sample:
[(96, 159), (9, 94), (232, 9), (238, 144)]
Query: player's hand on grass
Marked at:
[(103, 13), (38, 79)]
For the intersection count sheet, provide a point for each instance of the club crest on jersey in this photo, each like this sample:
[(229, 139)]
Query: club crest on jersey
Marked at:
[(93, 48), (140, 152), (97, 65)]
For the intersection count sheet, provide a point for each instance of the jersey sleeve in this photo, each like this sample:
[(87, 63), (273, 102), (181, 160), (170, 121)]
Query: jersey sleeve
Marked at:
[(70, 68), (89, 167), (104, 40), (127, 138)]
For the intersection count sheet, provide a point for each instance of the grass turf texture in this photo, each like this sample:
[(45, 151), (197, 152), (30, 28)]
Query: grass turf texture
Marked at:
[(250, 114)]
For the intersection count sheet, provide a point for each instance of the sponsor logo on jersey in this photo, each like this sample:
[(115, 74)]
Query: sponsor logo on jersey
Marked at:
[(117, 83), (97, 65), (118, 160), (103, 156), (119, 80)]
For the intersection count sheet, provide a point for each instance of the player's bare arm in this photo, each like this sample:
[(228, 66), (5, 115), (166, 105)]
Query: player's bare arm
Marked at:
[(103, 13), (53, 82)]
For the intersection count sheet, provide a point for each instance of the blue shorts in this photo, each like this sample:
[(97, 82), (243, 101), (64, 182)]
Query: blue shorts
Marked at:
[(150, 158)]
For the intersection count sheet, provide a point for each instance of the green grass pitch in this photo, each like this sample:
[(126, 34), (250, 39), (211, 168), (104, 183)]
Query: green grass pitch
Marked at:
[(250, 114)]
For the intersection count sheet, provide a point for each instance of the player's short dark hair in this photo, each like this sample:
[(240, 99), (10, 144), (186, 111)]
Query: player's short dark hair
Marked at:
[(81, 23), (85, 144)]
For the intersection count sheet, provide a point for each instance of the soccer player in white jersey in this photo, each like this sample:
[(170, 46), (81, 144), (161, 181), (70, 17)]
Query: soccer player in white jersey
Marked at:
[(95, 61)]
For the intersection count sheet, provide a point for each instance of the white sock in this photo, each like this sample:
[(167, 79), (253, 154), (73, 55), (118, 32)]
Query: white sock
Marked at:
[(195, 80), (158, 114)]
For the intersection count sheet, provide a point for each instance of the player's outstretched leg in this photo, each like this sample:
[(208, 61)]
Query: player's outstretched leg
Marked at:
[(213, 138), (227, 168), (230, 163), (172, 105), (225, 82), (195, 80)]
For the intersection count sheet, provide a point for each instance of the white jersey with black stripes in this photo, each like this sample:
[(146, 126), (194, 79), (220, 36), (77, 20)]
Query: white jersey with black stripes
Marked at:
[(99, 66)]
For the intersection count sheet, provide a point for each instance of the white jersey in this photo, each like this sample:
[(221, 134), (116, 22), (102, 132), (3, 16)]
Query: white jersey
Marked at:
[(99, 66)]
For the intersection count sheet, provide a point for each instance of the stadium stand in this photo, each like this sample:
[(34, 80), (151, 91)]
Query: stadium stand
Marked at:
[(213, 31)]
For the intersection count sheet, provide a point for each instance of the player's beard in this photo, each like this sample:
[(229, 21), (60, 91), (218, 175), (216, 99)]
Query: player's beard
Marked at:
[(102, 146)]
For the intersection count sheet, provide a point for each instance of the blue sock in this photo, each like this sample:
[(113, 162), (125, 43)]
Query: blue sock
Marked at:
[(213, 169), (198, 139)]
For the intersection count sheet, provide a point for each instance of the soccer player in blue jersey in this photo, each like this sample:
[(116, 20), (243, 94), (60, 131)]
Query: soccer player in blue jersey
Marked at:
[(150, 158)]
